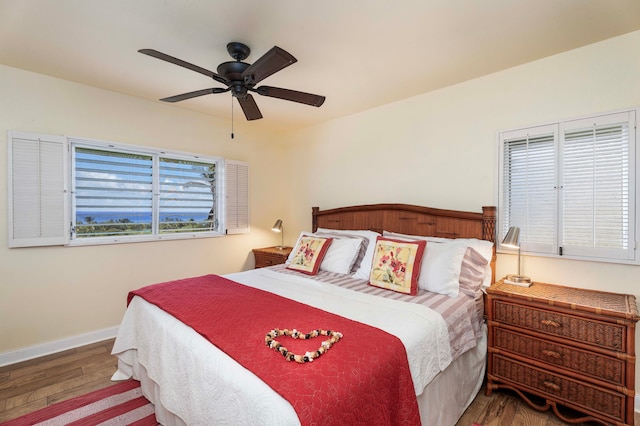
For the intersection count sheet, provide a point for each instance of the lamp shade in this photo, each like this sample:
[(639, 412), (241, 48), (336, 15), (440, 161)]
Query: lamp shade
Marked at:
[(512, 239)]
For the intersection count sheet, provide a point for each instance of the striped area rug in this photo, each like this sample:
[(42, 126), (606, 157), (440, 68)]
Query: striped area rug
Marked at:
[(116, 405)]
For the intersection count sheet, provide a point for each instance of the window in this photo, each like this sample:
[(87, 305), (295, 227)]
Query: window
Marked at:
[(571, 187), (120, 193)]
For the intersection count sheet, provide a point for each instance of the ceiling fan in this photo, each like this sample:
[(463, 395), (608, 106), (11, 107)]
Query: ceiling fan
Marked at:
[(240, 78)]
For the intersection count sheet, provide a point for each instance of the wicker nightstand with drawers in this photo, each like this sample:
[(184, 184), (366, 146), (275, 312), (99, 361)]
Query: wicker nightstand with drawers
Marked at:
[(568, 346), (269, 256)]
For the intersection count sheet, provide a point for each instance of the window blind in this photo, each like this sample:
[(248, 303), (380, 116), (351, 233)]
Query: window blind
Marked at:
[(529, 187), (113, 193), (187, 196), (596, 211)]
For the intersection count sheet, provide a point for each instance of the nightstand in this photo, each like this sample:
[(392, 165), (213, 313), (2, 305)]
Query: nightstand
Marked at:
[(568, 346), (269, 256)]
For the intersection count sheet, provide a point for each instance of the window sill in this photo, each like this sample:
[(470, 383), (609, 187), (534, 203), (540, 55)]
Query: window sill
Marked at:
[(145, 239), (572, 257)]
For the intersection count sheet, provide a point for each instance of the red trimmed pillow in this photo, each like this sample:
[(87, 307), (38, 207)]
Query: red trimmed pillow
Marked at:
[(396, 265), (308, 254)]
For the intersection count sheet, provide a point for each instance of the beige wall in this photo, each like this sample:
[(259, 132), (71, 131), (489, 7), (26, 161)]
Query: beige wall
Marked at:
[(436, 149), (439, 149), (52, 293)]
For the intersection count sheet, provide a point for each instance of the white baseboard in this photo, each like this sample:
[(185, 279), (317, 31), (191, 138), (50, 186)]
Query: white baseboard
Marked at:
[(36, 351), (636, 403)]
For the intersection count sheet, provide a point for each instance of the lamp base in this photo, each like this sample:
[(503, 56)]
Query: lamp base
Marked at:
[(520, 280)]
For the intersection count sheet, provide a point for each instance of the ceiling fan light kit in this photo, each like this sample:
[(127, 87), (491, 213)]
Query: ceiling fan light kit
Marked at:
[(240, 78)]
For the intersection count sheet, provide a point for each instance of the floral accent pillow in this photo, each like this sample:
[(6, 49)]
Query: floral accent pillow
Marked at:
[(308, 254), (396, 265)]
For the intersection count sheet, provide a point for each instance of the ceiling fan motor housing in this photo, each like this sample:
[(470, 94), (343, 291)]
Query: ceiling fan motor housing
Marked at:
[(232, 71)]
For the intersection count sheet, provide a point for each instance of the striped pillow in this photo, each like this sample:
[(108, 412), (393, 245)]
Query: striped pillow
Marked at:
[(474, 267)]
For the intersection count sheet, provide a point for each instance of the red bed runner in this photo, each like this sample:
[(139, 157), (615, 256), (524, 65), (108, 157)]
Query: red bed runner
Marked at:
[(363, 379)]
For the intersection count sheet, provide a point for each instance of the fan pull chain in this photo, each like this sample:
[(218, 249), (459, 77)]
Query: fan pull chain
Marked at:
[(231, 117)]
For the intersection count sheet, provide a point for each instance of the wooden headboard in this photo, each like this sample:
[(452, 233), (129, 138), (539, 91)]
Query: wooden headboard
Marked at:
[(413, 220)]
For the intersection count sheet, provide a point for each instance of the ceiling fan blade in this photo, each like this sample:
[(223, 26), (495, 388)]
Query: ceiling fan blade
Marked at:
[(272, 61), (185, 96), (180, 62), (291, 95), (250, 108)]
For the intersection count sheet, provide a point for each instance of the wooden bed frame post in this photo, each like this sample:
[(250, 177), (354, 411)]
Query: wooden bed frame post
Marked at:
[(489, 234), (489, 223), (314, 218)]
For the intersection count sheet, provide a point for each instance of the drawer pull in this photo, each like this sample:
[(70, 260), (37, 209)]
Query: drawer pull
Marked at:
[(551, 323), (551, 386), (551, 354)]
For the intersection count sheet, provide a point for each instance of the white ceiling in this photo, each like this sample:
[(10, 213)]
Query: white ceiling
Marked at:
[(358, 53)]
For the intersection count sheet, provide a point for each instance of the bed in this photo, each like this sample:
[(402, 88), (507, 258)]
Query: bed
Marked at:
[(441, 335)]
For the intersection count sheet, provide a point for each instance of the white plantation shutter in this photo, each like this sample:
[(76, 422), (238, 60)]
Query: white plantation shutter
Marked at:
[(597, 217), (38, 190), (237, 197), (529, 187)]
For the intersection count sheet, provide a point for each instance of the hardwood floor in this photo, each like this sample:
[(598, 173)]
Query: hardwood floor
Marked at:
[(505, 408), (37, 383), (31, 385)]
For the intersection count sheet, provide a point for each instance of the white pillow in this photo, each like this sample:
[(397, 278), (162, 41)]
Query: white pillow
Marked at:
[(440, 271), (365, 267), (364, 243), (484, 247), (340, 256)]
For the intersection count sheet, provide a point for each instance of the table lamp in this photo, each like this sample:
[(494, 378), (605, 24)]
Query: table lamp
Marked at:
[(277, 227), (512, 240)]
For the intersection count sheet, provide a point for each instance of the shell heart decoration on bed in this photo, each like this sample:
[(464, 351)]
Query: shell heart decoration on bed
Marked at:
[(271, 342)]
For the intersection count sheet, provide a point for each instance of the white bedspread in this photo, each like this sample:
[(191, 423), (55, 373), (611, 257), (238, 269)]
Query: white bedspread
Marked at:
[(201, 384)]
